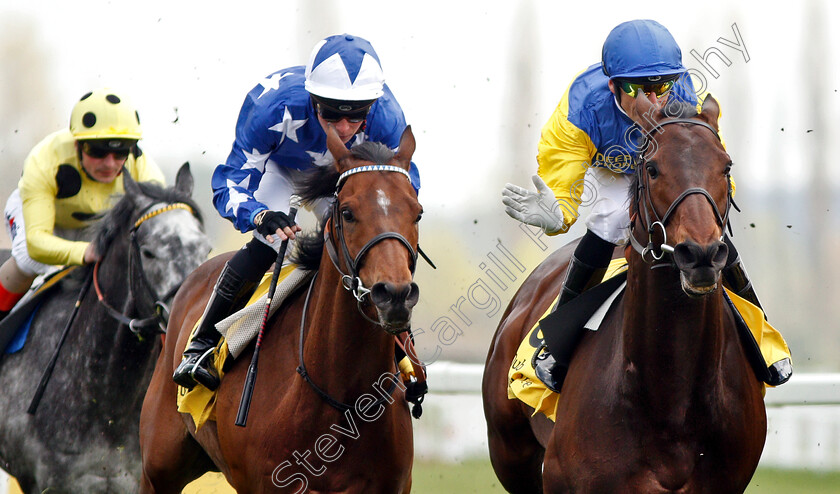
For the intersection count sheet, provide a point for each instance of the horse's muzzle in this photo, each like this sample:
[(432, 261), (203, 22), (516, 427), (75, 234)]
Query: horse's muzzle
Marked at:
[(394, 303), (700, 266)]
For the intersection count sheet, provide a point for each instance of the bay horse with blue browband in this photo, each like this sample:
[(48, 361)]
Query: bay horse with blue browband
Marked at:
[(662, 397), (327, 413), (84, 434)]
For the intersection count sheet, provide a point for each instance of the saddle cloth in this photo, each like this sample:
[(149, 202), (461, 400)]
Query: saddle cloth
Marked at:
[(238, 330), (241, 327), (524, 385)]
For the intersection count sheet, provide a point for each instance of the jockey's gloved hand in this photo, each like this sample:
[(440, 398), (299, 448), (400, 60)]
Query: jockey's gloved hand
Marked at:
[(538, 208), (268, 222)]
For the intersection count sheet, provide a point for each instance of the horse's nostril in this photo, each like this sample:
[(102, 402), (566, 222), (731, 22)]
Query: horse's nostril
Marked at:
[(383, 294), (686, 254)]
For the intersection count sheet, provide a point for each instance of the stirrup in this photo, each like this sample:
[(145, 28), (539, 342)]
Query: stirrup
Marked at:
[(545, 367), (780, 372)]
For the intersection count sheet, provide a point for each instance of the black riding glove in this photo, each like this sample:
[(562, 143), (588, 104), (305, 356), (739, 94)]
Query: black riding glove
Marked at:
[(268, 222)]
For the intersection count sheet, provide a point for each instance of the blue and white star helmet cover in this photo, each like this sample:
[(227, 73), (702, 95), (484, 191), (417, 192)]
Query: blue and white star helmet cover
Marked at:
[(344, 67)]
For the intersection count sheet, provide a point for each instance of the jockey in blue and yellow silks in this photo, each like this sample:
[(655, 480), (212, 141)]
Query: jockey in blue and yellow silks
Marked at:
[(279, 135), (590, 136)]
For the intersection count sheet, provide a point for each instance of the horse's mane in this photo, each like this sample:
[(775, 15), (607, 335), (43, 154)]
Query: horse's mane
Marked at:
[(319, 183), (675, 108), (122, 214)]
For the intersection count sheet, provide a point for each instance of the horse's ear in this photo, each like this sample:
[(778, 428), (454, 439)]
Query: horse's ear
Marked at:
[(641, 111), (710, 111), (132, 190), (407, 147), (335, 146), (184, 180)]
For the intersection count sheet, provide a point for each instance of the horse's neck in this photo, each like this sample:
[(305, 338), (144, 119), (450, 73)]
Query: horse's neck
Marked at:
[(673, 343), (342, 349), (123, 348)]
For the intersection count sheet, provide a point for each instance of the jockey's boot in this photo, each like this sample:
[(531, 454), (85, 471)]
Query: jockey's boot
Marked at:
[(586, 269), (197, 365), (735, 278)]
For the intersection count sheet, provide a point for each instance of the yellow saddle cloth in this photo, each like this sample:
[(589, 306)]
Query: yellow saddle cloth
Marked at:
[(238, 329), (524, 385), (200, 402)]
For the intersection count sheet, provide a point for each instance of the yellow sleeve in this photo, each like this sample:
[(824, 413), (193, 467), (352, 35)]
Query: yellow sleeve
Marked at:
[(38, 191), (146, 170), (564, 154)]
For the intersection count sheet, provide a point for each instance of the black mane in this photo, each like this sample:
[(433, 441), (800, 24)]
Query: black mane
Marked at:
[(123, 213), (319, 183)]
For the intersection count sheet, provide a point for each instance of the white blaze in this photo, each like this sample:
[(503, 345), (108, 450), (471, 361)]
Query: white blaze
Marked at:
[(383, 201)]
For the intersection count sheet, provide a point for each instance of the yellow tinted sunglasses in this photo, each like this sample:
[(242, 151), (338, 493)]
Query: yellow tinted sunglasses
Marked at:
[(632, 88)]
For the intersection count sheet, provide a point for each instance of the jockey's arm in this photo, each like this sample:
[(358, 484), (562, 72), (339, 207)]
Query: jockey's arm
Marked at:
[(38, 191), (564, 154)]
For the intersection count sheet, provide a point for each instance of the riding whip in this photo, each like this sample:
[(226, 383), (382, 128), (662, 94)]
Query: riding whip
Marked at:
[(251, 377), (45, 378)]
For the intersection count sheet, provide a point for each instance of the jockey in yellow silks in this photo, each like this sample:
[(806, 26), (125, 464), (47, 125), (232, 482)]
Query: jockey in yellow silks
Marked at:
[(69, 179), (590, 139)]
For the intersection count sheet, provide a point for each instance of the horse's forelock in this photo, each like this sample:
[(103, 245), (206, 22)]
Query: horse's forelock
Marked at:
[(124, 211)]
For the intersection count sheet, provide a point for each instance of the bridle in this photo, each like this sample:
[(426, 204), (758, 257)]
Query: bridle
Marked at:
[(156, 323), (350, 280), (642, 193)]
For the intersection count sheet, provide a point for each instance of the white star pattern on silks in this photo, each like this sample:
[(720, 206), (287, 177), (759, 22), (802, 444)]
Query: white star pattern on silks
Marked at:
[(235, 198), (244, 183), (288, 126), (255, 160), (321, 159), (271, 83)]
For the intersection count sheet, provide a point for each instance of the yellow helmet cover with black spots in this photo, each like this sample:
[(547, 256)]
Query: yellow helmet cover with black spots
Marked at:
[(105, 114)]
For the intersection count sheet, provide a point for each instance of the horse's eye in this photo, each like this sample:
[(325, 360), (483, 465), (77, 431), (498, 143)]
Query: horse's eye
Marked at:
[(727, 169), (148, 254), (347, 215), (419, 217), (652, 171)]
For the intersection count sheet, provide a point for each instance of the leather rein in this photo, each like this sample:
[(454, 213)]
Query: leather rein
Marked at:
[(643, 193), (157, 321), (351, 282)]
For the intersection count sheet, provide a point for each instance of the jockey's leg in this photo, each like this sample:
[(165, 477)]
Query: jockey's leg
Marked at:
[(236, 282), (735, 278), (586, 268), (13, 285)]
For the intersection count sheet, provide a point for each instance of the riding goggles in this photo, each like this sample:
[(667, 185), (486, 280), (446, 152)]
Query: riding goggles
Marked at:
[(333, 116), (333, 110), (101, 149), (633, 88)]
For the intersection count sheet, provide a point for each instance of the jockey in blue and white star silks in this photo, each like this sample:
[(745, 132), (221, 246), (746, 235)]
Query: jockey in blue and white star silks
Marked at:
[(280, 135)]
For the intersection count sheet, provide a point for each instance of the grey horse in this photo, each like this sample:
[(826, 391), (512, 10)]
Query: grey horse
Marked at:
[(83, 437)]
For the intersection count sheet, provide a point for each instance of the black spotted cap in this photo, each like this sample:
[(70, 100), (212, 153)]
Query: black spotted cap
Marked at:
[(105, 113)]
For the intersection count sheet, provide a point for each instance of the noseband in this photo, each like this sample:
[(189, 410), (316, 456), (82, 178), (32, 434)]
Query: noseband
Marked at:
[(351, 280), (643, 192), (159, 319)]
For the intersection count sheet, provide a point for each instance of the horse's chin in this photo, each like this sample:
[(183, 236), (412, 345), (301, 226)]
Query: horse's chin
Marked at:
[(394, 325), (696, 290)]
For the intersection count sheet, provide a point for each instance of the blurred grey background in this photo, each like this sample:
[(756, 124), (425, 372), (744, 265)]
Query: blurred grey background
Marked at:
[(477, 80)]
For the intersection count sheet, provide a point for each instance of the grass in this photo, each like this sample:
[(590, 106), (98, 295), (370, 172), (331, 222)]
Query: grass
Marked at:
[(478, 477)]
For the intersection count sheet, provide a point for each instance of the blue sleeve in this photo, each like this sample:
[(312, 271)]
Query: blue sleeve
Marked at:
[(386, 123), (235, 181)]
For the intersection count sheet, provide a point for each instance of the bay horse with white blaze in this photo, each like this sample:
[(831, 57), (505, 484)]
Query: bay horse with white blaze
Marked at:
[(662, 397), (84, 435), (328, 413)]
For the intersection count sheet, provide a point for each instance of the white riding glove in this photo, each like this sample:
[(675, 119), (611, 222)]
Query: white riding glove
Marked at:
[(538, 209)]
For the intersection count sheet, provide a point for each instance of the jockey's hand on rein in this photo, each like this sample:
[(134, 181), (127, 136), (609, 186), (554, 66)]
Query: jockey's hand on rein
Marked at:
[(268, 222), (538, 208)]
